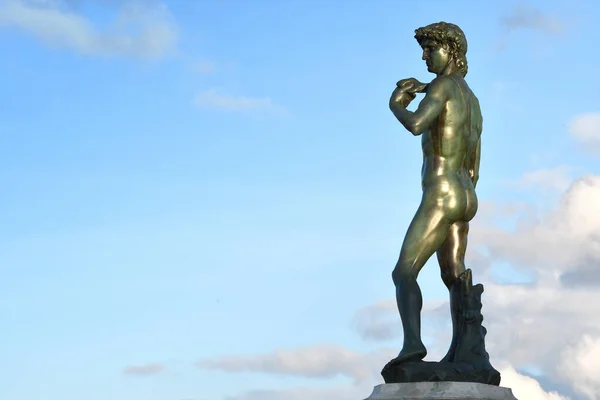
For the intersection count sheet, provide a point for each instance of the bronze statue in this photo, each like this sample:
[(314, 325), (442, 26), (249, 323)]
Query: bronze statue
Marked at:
[(449, 121)]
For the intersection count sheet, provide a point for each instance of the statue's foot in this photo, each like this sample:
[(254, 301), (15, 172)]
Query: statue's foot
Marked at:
[(410, 354)]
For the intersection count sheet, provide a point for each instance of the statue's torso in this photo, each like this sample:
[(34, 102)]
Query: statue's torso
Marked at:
[(447, 147)]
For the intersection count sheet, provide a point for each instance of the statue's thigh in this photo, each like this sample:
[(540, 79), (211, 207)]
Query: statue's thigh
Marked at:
[(425, 235)]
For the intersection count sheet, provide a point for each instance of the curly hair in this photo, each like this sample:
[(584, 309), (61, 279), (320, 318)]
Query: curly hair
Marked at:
[(451, 37)]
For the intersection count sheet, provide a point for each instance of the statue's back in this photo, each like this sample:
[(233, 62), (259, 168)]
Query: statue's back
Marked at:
[(476, 124)]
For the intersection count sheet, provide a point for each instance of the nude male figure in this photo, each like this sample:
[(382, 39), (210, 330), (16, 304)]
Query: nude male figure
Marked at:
[(449, 122)]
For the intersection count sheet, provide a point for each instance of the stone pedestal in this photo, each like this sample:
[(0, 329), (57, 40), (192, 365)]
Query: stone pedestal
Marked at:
[(440, 391)]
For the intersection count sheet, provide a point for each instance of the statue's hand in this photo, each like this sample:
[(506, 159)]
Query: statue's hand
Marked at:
[(401, 97), (411, 85)]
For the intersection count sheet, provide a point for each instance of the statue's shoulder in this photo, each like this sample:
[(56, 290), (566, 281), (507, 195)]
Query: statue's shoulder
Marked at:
[(441, 86)]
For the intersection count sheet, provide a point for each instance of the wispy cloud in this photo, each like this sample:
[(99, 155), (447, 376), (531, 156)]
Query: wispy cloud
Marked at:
[(524, 16), (204, 67), (144, 370), (140, 29), (377, 322), (321, 361), (585, 128), (217, 100), (557, 178)]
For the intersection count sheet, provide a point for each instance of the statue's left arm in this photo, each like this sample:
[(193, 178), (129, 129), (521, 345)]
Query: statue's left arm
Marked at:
[(476, 157), (429, 109)]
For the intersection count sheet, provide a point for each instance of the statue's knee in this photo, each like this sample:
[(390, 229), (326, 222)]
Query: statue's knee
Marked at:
[(449, 277), (402, 273), (447, 281), (446, 278)]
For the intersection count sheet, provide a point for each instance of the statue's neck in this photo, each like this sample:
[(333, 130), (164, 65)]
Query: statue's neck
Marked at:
[(450, 69)]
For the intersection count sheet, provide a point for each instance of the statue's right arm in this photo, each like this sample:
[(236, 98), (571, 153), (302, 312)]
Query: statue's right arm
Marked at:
[(429, 108)]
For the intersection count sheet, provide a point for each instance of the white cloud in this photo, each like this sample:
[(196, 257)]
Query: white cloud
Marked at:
[(323, 361), (140, 29), (519, 320), (525, 387), (215, 99), (580, 365), (585, 128), (557, 178), (564, 242)]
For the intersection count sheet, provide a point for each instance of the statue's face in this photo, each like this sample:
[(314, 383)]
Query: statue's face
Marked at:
[(436, 56)]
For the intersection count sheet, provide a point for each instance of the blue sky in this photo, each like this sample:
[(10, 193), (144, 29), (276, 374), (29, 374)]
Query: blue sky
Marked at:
[(190, 180)]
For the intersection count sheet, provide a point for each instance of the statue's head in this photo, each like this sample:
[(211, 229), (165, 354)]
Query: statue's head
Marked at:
[(443, 43)]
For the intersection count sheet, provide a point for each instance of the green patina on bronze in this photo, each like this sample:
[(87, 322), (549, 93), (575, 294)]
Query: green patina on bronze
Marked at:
[(449, 121)]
